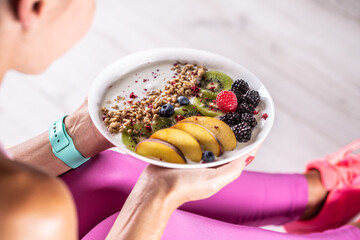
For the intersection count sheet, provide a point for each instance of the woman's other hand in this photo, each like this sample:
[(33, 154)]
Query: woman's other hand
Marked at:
[(185, 185)]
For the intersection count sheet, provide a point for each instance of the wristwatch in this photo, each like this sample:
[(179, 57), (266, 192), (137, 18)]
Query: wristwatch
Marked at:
[(63, 146)]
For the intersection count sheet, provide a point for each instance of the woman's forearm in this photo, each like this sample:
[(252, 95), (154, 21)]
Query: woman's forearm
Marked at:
[(38, 151), (144, 214)]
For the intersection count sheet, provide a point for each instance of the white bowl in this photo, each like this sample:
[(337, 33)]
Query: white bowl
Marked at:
[(135, 62)]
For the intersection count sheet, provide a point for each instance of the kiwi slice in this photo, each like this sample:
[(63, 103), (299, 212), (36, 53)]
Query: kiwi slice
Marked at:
[(205, 106), (214, 82), (161, 123), (138, 126), (208, 94), (187, 111), (130, 140)]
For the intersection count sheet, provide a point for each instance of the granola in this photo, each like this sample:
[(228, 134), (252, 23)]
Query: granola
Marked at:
[(146, 110)]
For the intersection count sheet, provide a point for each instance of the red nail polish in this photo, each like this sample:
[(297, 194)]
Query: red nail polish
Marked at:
[(249, 160)]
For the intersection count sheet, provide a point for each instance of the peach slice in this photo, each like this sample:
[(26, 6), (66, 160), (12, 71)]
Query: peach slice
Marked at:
[(154, 148), (220, 129), (203, 136), (182, 140)]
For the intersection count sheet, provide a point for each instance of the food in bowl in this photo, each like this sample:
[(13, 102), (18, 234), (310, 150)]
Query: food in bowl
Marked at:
[(194, 118)]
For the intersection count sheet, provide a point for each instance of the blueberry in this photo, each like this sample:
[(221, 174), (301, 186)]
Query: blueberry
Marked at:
[(167, 110), (183, 100), (208, 156)]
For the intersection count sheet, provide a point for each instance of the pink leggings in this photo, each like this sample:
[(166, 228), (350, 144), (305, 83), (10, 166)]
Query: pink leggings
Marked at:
[(101, 186)]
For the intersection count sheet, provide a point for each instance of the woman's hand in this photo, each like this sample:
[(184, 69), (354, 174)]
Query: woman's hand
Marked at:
[(87, 139), (183, 185)]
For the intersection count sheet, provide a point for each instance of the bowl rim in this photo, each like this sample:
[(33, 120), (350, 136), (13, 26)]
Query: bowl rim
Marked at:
[(131, 62)]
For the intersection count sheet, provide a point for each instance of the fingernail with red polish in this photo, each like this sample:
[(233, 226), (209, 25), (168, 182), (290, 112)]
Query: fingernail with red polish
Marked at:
[(249, 160)]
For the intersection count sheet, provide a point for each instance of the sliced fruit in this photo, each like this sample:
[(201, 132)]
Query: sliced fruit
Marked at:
[(161, 123), (220, 129), (138, 127), (187, 111), (207, 107), (157, 149), (208, 94), (182, 140), (205, 137), (216, 82), (130, 140)]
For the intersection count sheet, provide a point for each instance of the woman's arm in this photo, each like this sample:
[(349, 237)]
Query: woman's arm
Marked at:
[(38, 151), (159, 191), (145, 213)]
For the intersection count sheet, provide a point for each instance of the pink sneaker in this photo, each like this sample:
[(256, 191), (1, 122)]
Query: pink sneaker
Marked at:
[(340, 175)]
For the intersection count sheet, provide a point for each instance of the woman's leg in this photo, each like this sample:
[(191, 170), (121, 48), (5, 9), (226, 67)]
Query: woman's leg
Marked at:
[(184, 225), (101, 186), (257, 199)]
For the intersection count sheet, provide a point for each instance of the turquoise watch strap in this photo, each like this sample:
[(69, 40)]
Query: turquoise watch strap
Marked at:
[(62, 145)]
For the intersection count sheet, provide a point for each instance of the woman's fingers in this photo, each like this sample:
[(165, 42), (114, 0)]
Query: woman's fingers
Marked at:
[(227, 173), (195, 184)]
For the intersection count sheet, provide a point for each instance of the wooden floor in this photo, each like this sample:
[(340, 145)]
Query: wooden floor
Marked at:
[(307, 53)]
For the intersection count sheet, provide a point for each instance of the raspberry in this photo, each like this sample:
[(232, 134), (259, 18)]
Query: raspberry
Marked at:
[(132, 95), (249, 118), (195, 90), (148, 128), (265, 116), (242, 132), (240, 87), (178, 118), (252, 97), (226, 101), (231, 119)]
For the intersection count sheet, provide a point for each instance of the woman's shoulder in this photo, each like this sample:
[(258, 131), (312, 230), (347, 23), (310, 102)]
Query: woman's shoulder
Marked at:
[(33, 202)]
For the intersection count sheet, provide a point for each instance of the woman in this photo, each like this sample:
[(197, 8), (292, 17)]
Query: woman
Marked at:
[(34, 204)]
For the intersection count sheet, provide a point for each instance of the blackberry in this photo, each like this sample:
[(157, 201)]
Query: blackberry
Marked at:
[(249, 118), (244, 107), (252, 97), (231, 119), (240, 87), (239, 97), (242, 132)]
